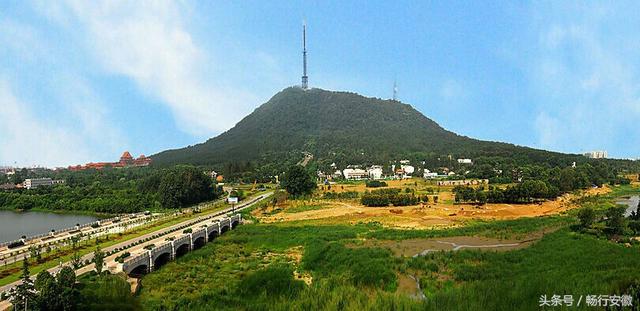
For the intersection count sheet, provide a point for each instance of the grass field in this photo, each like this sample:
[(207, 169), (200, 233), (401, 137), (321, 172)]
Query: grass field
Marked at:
[(306, 265), (562, 262)]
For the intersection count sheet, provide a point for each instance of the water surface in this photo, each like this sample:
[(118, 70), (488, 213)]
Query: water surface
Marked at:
[(13, 225), (631, 202)]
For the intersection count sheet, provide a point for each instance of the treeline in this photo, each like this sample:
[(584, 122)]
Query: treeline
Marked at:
[(375, 184), (525, 192), (565, 178), (117, 191), (393, 196), (541, 186), (96, 197), (180, 186)]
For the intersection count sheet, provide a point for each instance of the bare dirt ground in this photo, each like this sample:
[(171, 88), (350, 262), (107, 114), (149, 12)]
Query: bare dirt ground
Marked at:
[(424, 216)]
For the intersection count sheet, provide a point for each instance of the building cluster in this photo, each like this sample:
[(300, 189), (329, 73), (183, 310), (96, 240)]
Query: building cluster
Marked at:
[(463, 182), (126, 160), (32, 183), (597, 154), (402, 170)]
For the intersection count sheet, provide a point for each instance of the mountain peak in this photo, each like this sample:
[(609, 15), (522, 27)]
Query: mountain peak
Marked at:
[(334, 126)]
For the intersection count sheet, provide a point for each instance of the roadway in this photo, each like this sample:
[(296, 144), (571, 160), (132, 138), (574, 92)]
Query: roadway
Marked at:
[(165, 233)]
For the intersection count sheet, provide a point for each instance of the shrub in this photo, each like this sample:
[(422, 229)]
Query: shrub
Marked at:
[(16, 244), (587, 217), (375, 184), (364, 266), (403, 200), (374, 200), (275, 281), (120, 258), (341, 195)]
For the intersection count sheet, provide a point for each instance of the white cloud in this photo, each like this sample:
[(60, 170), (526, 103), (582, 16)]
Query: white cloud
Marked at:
[(29, 141), (587, 80), (148, 42)]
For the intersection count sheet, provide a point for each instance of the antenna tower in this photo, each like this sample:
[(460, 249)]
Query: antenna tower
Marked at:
[(305, 78)]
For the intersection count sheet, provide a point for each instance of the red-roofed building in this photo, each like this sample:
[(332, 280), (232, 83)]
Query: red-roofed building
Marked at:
[(126, 160)]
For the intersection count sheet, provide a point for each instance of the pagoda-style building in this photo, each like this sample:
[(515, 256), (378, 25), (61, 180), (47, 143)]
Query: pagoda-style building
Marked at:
[(126, 160)]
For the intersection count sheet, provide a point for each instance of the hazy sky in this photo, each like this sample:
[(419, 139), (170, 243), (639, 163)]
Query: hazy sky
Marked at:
[(85, 80)]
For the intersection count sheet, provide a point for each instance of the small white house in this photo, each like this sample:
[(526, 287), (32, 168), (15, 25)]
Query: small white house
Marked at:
[(375, 172), (428, 174), (465, 161), (355, 173), (408, 169)]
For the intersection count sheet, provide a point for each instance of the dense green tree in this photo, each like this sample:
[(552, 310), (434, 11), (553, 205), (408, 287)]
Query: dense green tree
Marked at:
[(298, 181), (66, 279), (587, 217), (98, 259), (76, 260), (23, 296), (48, 291), (185, 185), (615, 220)]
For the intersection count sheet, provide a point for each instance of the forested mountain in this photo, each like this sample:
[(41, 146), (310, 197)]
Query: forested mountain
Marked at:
[(345, 128)]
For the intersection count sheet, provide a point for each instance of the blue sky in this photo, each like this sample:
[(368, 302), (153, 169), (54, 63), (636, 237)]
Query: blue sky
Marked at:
[(83, 81)]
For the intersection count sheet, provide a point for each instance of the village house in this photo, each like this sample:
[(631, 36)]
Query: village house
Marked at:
[(355, 173), (375, 172)]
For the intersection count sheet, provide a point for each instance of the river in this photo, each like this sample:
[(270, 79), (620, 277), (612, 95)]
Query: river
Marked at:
[(631, 202), (13, 225)]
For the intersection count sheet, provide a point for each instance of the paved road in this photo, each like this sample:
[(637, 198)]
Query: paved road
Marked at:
[(110, 260)]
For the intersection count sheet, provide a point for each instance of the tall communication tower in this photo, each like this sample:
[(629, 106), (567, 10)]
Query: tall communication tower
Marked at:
[(395, 91), (305, 78)]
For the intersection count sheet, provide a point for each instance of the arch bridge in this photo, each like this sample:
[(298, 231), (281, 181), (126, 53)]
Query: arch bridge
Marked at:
[(149, 260)]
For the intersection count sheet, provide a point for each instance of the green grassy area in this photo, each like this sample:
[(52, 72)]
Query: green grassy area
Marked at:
[(360, 278), (257, 267)]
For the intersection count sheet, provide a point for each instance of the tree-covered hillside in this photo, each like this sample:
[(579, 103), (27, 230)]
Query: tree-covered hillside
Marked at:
[(345, 128)]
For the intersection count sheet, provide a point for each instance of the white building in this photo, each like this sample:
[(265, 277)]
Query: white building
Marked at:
[(465, 161), (408, 169), (37, 182), (355, 173), (428, 174), (404, 161), (597, 154), (375, 172)]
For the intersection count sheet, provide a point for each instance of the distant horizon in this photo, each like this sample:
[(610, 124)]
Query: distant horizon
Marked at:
[(80, 81)]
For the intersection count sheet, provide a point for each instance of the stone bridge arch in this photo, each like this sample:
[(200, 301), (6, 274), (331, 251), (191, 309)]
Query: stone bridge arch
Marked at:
[(181, 245), (161, 254), (213, 231), (225, 225), (137, 265)]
